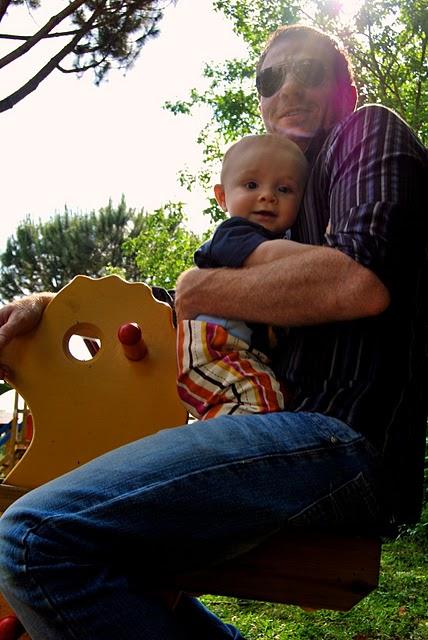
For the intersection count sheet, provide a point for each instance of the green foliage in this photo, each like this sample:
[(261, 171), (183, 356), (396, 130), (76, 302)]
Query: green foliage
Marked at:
[(420, 531), (387, 40), (253, 19), (424, 522), (44, 256), (164, 247), (388, 45), (235, 113), (153, 247), (426, 473), (4, 387)]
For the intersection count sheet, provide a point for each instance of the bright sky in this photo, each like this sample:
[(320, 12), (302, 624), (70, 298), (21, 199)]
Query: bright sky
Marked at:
[(72, 143)]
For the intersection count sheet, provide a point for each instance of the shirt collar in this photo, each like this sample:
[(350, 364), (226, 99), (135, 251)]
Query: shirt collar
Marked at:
[(315, 145)]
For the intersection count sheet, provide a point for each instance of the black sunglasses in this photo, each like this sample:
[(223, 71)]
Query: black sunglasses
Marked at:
[(308, 71)]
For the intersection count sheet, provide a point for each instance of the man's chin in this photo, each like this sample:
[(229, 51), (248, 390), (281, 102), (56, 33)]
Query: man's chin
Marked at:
[(301, 136)]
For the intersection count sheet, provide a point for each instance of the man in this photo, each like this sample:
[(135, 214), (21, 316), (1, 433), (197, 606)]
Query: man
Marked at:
[(79, 556)]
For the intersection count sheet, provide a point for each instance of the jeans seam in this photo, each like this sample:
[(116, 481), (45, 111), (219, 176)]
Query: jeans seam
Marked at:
[(30, 573), (332, 495)]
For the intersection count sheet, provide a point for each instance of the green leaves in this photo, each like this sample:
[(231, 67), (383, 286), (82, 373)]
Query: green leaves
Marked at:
[(388, 45), (152, 247), (164, 247), (254, 19), (44, 256)]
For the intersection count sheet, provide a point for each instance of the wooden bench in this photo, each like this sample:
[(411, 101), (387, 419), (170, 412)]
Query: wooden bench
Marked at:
[(81, 409)]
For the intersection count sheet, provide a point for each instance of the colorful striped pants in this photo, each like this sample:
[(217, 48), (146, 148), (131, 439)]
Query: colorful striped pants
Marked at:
[(220, 374)]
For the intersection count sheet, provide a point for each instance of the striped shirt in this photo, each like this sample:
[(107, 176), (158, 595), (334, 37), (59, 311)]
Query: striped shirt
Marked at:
[(368, 185)]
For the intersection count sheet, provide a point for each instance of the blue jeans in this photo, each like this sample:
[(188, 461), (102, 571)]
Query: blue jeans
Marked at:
[(85, 556)]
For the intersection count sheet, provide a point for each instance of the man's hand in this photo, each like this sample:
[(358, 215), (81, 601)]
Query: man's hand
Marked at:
[(186, 296), (18, 318)]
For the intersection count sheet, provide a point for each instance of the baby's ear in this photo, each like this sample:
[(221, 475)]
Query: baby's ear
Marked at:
[(220, 196)]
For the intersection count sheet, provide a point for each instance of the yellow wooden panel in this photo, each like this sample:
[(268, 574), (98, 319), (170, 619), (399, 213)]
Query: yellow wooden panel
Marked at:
[(82, 409)]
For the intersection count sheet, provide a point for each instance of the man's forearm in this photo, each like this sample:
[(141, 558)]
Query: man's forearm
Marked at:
[(315, 286), (275, 250)]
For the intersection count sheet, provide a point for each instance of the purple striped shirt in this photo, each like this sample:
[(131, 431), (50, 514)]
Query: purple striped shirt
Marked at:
[(369, 184)]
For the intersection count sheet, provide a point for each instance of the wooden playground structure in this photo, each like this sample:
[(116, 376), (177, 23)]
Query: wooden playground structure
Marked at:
[(15, 436), (130, 382)]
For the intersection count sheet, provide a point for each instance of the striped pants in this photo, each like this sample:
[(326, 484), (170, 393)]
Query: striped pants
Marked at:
[(220, 374)]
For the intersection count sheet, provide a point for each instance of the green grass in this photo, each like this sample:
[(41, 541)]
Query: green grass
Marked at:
[(397, 610)]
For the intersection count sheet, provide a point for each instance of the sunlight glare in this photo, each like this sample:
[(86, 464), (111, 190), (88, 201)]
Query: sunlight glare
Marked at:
[(348, 8)]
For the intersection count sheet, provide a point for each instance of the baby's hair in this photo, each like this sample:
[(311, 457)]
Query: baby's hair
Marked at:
[(272, 138)]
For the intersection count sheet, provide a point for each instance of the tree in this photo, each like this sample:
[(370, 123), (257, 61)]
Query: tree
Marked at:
[(387, 40), (96, 34), (164, 247), (154, 247), (45, 256)]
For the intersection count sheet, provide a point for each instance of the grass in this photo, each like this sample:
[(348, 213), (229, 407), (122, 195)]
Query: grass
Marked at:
[(397, 610)]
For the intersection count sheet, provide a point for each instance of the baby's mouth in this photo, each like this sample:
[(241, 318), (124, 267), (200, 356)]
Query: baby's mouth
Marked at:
[(263, 212)]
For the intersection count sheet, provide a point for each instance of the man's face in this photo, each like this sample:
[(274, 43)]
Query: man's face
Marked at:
[(298, 110)]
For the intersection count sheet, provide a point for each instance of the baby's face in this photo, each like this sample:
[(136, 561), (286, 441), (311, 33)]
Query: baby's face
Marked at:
[(262, 185)]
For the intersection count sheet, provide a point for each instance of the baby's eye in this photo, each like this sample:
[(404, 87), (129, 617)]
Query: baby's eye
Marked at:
[(284, 189), (251, 184)]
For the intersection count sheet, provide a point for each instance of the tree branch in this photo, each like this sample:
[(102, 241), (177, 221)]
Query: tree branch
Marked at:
[(384, 84), (3, 7), (13, 36), (33, 83), (13, 55), (56, 34), (82, 69), (416, 116)]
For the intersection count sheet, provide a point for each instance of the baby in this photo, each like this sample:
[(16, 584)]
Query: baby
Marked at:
[(224, 365)]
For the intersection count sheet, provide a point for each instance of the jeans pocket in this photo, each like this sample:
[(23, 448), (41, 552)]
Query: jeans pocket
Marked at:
[(334, 431), (354, 504)]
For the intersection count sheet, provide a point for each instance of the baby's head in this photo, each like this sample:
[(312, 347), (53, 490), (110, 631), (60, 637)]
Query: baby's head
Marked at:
[(263, 179)]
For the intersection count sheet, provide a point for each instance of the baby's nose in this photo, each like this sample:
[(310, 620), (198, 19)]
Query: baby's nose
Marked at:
[(268, 194)]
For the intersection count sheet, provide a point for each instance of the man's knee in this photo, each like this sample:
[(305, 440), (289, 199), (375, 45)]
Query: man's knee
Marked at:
[(12, 546), (18, 544)]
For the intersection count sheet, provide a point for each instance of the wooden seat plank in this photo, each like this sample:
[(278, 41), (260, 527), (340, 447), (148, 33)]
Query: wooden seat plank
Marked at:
[(311, 569)]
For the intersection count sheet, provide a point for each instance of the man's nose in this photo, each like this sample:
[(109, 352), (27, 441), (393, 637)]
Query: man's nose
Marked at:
[(290, 86)]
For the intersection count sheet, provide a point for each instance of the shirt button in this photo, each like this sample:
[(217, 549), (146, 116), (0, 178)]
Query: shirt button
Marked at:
[(333, 440)]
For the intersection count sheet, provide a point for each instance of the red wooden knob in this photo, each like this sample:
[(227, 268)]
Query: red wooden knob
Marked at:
[(132, 341), (10, 628)]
